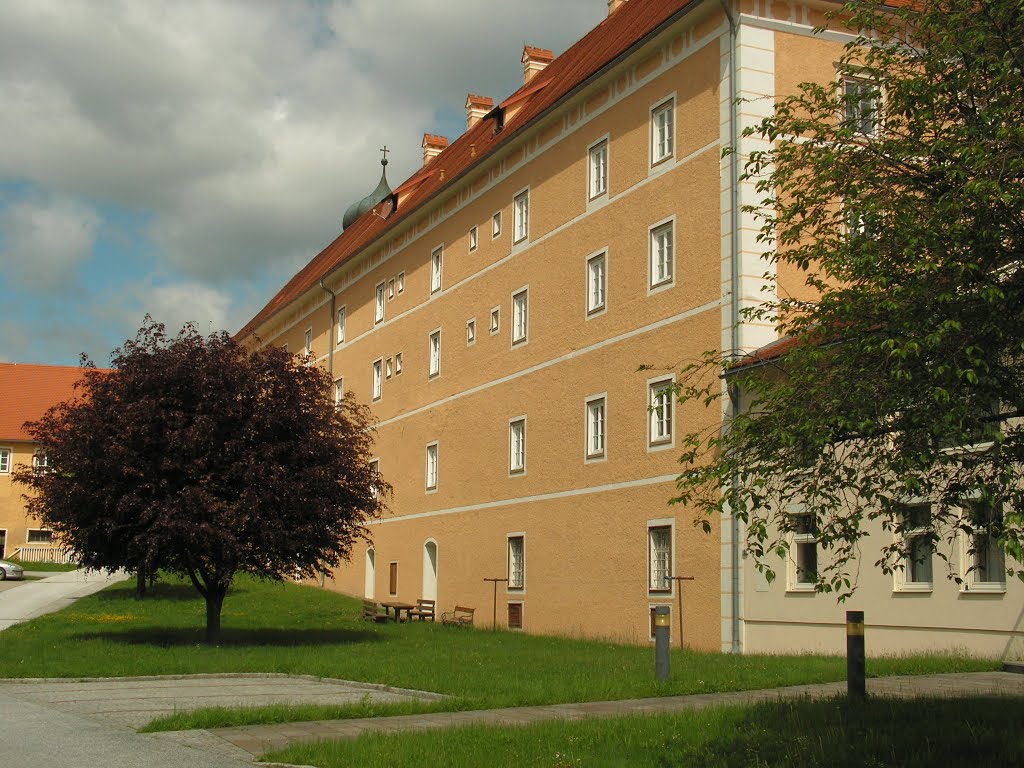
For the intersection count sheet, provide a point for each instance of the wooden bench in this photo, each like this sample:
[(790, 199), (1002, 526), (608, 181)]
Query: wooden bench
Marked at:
[(460, 617), (424, 610), (371, 612)]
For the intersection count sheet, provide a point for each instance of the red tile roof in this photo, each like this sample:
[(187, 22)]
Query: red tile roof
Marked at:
[(27, 391), (614, 37)]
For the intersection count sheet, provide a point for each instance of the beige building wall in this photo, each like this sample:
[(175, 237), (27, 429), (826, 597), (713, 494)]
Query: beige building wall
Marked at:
[(15, 523)]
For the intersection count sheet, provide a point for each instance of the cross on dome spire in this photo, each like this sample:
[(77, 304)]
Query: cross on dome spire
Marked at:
[(384, 150)]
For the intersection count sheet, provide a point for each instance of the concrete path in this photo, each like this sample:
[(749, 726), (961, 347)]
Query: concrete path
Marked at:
[(258, 739), (35, 598)]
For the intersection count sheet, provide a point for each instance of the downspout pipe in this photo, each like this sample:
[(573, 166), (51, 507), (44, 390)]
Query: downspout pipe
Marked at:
[(734, 304), (330, 329)]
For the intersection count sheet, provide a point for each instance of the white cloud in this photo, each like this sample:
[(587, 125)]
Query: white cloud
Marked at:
[(44, 241)]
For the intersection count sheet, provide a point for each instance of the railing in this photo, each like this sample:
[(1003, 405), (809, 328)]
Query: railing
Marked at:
[(43, 553)]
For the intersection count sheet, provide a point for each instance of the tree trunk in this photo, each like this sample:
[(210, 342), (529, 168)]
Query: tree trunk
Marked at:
[(214, 604), (140, 582)]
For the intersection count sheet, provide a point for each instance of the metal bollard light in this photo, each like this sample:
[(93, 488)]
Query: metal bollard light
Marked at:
[(662, 629), (856, 687)]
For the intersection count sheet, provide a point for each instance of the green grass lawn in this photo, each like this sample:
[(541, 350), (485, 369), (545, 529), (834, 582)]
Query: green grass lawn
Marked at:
[(796, 734), (272, 627), (48, 567)]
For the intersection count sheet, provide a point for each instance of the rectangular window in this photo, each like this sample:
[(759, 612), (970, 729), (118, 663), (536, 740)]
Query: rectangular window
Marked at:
[(660, 409), (659, 560), (495, 320), (398, 364), (595, 428), (391, 288), (378, 306), (388, 368), (5, 461), (521, 216), (470, 332), (339, 391), (516, 562), (662, 254), (473, 239), (40, 461), (393, 578), (374, 477), (517, 446), (436, 259), (599, 169), (432, 467), (662, 131), (341, 324), (307, 344), (805, 550), (378, 379), (861, 99), (515, 615), (596, 285), (520, 309), (401, 282), (917, 560), (985, 555), (495, 225), (435, 353), (39, 536)]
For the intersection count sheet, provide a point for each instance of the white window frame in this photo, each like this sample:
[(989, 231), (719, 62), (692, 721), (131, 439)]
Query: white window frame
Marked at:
[(30, 531), (971, 583), (339, 390), (593, 309), (307, 342), (796, 541), (847, 78), (660, 154), (653, 236), (401, 283), (521, 217), (434, 354), (342, 320), (656, 441), (374, 477), (517, 458), (496, 225), (436, 269), (389, 370), (474, 238), (512, 586), (398, 364), (431, 469), (589, 404), (495, 321), (377, 384), (595, 150), (6, 459), (378, 303), (661, 524), (520, 316), (391, 288), (471, 332), (904, 577)]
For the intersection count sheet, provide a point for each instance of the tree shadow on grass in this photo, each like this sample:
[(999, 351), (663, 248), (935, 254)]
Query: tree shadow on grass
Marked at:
[(236, 638), (170, 592)]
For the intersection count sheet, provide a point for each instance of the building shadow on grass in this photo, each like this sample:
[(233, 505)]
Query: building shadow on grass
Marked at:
[(235, 638)]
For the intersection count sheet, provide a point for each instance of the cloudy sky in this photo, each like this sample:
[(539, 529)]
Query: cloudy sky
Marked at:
[(186, 158)]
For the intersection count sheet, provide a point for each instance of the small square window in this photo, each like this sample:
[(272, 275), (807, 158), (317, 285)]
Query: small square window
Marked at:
[(495, 320), (520, 310), (495, 225), (378, 305), (432, 467), (662, 265), (521, 217), (341, 324), (435, 353), (391, 288), (473, 239), (599, 169), (596, 283), (388, 368), (516, 562), (517, 446), (662, 131), (378, 379), (398, 364), (470, 332), (436, 259), (401, 282)]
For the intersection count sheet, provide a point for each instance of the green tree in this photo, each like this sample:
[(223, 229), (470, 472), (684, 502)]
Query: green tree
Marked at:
[(203, 458), (898, 191)]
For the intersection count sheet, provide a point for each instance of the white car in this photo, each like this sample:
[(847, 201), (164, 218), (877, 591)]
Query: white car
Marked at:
[(11, 571)]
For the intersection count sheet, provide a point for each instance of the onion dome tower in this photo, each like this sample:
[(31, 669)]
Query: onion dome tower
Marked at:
[(381, 193)]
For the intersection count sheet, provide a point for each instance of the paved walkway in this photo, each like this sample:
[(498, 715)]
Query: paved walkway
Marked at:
[(56, 591), (258, 739)]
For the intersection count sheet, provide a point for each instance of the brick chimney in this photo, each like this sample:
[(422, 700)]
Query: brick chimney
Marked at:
[(614, 5), (476, 108), (534, 61), (433, 146)]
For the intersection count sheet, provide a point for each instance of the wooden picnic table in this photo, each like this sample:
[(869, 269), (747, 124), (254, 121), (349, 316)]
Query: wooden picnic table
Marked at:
[(398, 607)]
